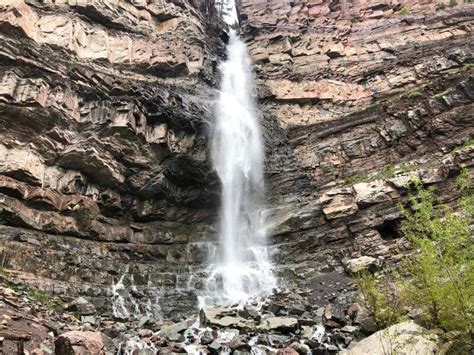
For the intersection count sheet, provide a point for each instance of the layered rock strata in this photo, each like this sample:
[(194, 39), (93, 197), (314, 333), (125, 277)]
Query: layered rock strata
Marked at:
[(357, 98), (105, 111)]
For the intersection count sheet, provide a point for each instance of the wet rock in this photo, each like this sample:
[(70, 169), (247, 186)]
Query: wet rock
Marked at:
[(334, 314), (219, 317), (145, 333), (214, 347), (207, 338), (77, 343), (297, 310), (144, 321), (282, 324)]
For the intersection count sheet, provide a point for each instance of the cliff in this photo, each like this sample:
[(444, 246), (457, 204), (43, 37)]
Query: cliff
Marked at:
[(105, 112)]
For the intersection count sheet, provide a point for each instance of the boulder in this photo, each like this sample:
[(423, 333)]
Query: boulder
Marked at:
[(283, 324), (404, 338), (362, 263), (79, 343), (83, 306), (223, 318)]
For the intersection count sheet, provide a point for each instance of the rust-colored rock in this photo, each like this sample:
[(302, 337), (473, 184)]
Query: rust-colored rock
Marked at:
[(79, 343)]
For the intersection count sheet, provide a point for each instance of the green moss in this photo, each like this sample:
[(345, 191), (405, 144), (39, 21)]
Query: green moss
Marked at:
[(47, 300), (354, 179), (466, 144), (404, 10), (440, 7), (126, 84), (414, 94), (467, 66)]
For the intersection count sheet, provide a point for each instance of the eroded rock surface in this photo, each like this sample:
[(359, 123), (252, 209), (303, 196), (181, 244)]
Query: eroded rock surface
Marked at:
[(106, 187)]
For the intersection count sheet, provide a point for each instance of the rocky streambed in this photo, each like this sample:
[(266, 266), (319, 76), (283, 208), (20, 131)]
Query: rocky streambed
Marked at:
[(289, 322)]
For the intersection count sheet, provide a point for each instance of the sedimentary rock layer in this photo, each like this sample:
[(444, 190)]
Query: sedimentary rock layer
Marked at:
[(105, 113)]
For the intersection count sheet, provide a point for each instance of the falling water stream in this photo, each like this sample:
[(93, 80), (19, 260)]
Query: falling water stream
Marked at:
[(243, 269)]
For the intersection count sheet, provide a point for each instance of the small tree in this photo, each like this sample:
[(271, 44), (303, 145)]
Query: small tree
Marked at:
[(441, 267), (438, 276)]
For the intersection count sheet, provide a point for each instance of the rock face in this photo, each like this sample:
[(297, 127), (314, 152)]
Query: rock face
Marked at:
[(358, 98), (104, 119), (106, 187)]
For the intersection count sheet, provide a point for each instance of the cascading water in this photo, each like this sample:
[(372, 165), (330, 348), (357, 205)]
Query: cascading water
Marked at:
[(243, 269)]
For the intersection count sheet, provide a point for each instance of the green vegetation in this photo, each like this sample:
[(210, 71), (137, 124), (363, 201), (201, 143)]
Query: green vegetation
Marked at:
[(379, 297), (126, 84), (387, 172), (453, 3), (45, 299), (437, 279), (467, 66), (466, 144), (404, 10), (356, 178), (440, 7), (414, 94)]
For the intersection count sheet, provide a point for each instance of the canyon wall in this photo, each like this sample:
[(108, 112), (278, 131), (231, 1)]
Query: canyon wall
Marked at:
[(357, 97), (105, 112)]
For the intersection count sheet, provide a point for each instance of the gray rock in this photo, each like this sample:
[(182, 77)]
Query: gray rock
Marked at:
[(88, 319), (404, 338), (367, 263), (82, 306), (283, 324), (144, 321), (214, 347)]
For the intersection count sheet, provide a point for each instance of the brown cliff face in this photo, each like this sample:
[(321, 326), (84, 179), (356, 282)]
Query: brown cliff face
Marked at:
[(357, 98), (104, 119), (104, 115)]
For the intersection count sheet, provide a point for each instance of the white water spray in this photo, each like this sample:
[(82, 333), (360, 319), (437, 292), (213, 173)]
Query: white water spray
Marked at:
[(243, 270)]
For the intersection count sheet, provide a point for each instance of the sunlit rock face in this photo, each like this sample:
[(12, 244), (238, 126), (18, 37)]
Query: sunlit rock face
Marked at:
[(106, 114), (358, 98)]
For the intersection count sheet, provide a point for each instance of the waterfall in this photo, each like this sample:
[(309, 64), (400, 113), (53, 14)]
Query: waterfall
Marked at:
[(243, 268)]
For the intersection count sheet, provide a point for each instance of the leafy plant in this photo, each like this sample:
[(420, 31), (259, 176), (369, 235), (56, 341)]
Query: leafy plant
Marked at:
[(381, 299), (441, 277), (437, 278)]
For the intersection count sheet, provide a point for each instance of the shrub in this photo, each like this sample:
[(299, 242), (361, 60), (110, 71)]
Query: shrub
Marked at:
[(381, 298), (441, 267), (437, 278)]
